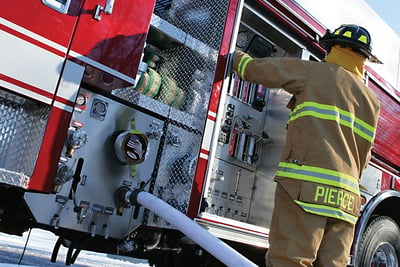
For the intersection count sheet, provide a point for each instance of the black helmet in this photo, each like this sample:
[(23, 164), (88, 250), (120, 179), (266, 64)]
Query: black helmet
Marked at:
[(350, 35)]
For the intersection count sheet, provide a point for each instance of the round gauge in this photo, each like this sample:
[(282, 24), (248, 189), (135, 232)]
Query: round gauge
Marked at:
[(242, 39), (81, 100)]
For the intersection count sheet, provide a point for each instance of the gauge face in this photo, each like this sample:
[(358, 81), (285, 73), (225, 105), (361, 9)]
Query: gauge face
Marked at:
[(81, 100), (242, 39)]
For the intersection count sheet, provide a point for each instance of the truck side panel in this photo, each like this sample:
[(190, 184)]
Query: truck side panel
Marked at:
[(387, 140)]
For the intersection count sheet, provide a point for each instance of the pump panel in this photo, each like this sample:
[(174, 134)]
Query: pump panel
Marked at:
[(103, 132)]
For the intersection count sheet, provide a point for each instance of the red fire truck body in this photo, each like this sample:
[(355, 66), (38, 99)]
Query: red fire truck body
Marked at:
[(102, 99)]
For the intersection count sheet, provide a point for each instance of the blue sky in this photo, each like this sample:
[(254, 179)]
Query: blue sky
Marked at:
[(385, 45), (389, 11)]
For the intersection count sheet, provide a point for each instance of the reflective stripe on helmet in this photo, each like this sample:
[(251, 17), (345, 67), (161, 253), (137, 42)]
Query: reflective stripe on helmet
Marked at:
[(363, 39), (333, 113), (347, 34), (327, 211), (318, 175)]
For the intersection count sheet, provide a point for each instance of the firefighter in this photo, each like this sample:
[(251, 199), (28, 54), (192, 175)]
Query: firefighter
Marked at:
[(330, 133)]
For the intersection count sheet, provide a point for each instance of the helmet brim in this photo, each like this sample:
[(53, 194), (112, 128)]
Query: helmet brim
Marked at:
[(327, 44)]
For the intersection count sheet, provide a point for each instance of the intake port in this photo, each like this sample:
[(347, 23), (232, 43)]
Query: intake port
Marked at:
[(131, 147)]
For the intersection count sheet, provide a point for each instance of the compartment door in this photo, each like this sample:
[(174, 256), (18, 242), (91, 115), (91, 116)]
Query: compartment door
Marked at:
[(111, 35), (35, 36)]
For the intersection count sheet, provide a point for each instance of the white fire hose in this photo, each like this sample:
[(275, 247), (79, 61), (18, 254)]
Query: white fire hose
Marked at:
[(195, 232)]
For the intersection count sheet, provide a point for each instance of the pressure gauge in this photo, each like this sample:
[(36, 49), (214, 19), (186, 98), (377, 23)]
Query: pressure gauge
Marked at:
[(81, 100)]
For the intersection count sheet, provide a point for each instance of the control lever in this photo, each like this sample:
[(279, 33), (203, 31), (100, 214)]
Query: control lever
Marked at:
[(92, 229), (82, 211), (106, 230)]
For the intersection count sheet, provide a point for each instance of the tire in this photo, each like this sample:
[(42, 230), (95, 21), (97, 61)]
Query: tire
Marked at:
[(380, 245)]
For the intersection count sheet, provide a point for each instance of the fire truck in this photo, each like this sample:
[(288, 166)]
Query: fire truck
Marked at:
[(103, 101)]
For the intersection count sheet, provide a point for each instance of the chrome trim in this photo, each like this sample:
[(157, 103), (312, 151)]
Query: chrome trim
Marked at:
[(60, 6), (235, 231)]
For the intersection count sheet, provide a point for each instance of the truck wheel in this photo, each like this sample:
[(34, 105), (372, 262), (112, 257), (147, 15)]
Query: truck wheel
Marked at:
[(380, 245)]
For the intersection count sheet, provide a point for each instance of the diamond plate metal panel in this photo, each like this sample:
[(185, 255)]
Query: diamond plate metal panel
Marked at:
[(162, 5), (192, 73), (203, 19), (186, 70), (187, 65), (177, 167), (14, 178), (22, 126)]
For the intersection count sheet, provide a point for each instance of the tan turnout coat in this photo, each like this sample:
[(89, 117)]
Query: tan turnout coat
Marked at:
[(330, 130)]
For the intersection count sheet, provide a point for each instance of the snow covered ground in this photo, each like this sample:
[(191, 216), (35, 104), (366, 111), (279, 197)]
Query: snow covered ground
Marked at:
[(39, 249)]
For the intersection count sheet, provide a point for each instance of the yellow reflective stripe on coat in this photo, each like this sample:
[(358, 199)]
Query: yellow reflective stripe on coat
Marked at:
[(327, 211), (333, 113), (243, 64), (318, 175)]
